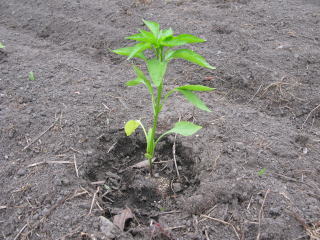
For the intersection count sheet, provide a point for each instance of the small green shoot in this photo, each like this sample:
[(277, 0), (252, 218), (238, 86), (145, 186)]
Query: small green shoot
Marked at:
[(161, 42), (31, 76), (162, 209), (1, 45), (262, 171)]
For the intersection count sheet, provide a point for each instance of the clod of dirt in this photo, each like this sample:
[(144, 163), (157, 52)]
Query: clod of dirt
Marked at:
[(221, 191), (3, 56), (108, 228), (274, 229)]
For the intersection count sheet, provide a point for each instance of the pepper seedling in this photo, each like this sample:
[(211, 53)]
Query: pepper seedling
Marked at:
[(161, 42)]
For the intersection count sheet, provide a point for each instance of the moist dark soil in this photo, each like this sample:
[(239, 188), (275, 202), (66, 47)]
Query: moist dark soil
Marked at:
[(69, 172)]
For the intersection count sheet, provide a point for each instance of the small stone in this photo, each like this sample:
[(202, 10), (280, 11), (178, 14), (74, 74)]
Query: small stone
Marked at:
[(21, 172), (89, 152), (84, 206), (107, 227), (156, 175), (57, 182), (45, 211), (305, 150), (65, 181), (177, 187), (275, 211)]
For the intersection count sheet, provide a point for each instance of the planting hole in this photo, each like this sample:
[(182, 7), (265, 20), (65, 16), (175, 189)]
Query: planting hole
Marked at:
[(124, 185)]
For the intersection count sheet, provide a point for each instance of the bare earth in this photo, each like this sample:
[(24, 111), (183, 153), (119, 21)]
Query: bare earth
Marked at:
[(65, 160)]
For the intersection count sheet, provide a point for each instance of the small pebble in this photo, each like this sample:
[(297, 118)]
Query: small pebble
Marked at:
[(305, 150), (21, 172), (177, 187), (65, 181), (45, 211)]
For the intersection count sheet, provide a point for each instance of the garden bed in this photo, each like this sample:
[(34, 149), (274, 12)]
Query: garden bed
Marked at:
[(69, 172)]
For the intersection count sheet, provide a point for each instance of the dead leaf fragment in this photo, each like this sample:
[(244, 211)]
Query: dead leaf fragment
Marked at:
[(120, 219)]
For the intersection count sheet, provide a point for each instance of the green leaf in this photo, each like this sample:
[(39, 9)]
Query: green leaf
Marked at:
[(185, 128), (137, 37), (143, 36), (262, 171), (138, 48), (1, 45), (182, 40), (135, 82), (166, 33), (190, 56), (150, 144), (195, 88), (148, 36), (31, 76), (131, 126), (191, 97), (157, 70), (153, 26), (141, 75), (127, 51)]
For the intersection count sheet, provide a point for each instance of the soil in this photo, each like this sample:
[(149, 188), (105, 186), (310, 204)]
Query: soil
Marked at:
[(252, 172)]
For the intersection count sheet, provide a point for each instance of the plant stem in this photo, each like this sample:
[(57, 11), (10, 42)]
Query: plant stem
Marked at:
[(155, 123), (157, 109)]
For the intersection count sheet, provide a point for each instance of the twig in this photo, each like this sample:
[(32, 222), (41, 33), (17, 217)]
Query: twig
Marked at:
[(174, 153), (40, 135), (172, 228), (20, 232), (260, 214), (106, 106), (112, 147), (37, 224), (254, 94), (75, 165), (171, 212), (249, 204), (98, 182), (174, 156), (297, 181), (207, 235), (70, 234), (305, 121), (78, 194), (313, 231), (223, 222), (93, 200), (75, 150), (48, 162)]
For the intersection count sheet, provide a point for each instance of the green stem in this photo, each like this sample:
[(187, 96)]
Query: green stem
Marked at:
[(157, 109)]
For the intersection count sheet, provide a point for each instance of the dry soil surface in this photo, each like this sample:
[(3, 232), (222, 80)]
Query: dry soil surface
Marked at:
[(251, 173)]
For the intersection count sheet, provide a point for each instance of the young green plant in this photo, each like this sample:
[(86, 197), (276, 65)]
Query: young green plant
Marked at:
[(161, 42)]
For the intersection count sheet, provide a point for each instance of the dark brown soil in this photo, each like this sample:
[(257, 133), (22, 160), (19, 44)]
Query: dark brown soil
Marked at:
[(266, 115)]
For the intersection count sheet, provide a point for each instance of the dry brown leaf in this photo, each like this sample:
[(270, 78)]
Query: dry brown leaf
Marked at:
[(120, 219), (142, 164)]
